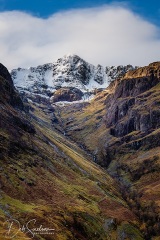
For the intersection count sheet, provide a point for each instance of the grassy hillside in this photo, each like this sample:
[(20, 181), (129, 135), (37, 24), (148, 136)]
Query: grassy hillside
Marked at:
[(47, 177), (120, 129), (85, 171)]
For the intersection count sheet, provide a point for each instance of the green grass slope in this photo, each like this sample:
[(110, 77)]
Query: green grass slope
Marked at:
[(120, 129), (45, 176)]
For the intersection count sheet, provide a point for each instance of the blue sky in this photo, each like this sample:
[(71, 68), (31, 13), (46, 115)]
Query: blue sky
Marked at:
[(102, 32), (150, 9)]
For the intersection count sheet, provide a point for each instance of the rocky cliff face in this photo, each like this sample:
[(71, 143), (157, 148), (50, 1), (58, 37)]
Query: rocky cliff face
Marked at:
[(13, 113), (69, 71), (130, 108), (153, 70), (8, 93), (133, 106), (67, 94)]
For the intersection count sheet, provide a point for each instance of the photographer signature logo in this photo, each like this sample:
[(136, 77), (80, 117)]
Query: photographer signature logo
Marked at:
[(14, 228)]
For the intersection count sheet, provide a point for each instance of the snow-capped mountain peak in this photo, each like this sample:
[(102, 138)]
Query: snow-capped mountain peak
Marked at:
[(68, 71)]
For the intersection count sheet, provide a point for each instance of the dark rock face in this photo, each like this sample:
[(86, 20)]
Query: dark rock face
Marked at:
[(23, 124), (76, 68), (8, 93), (119, 71), (99, 77), (128, 110), (135, 86), (5, 74), (67, 94), (10, 100), (36, 98), (83, 73)]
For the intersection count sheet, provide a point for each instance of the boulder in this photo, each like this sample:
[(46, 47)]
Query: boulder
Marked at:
[(67, 94)]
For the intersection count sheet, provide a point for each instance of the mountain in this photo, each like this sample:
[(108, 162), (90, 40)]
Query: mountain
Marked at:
[(69, 71), (49, 187), (120, 129), (88, 170)]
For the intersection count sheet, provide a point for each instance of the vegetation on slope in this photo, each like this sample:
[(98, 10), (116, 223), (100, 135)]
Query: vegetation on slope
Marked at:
[(120, 128), (45, 176)]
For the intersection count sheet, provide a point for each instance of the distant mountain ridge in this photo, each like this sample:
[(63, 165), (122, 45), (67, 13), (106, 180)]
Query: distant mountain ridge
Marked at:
[(69, 71)]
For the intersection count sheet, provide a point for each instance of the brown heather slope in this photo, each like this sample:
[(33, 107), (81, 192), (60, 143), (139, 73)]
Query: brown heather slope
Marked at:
[(120, 128), (45, 176)]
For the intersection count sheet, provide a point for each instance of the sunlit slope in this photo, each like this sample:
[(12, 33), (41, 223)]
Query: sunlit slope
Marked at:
[(120, 129), (45, 176)]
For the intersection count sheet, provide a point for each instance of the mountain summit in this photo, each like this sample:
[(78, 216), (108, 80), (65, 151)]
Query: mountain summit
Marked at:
[(68, 71)]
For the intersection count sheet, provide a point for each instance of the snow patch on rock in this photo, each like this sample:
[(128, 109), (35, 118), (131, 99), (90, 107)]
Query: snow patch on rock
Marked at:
[(69, 71)]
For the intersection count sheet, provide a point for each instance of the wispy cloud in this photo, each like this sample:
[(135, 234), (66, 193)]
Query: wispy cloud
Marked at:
[(109, 35)]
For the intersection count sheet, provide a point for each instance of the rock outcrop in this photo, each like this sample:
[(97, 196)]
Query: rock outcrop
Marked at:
[(67, 94), (152, 70), (12, 109), (132, 106), (8, 93)]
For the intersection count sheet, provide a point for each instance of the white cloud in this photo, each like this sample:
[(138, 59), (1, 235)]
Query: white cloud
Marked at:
[(109, 35)]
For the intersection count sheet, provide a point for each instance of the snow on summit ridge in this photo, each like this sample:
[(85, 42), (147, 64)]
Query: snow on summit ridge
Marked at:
[(68, 71)]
